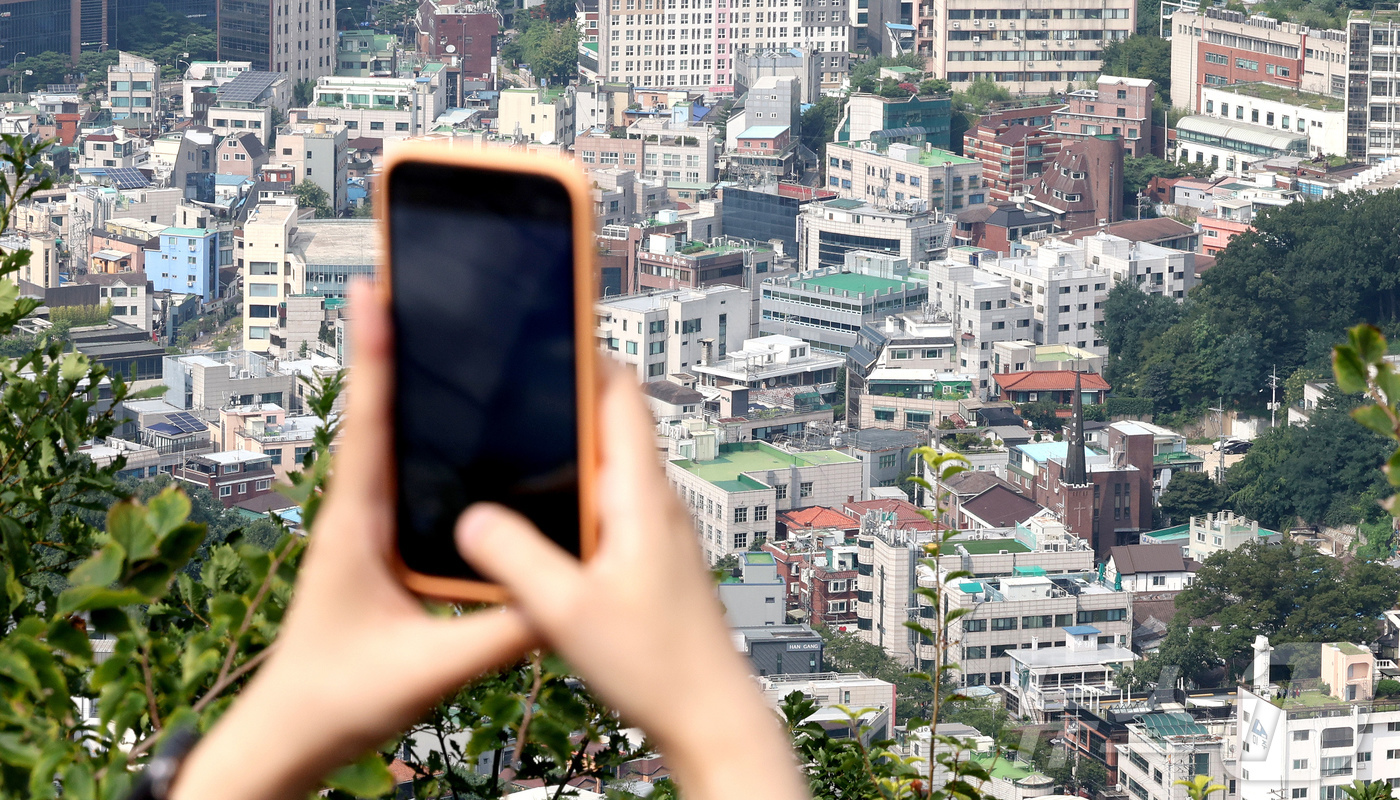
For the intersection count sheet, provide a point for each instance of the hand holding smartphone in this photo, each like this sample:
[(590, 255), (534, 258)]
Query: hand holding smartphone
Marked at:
[(492, 288)]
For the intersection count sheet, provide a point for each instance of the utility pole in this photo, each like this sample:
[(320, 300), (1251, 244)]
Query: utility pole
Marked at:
[(1273, 395), (1220, 471)]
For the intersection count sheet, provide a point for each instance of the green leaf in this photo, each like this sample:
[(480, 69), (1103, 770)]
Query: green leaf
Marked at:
[(78, 783), (1368, 342), (167, 511), (65, 636), (181, 543), (90, 598), (1350, 372), (102, 569), (368, 777), (17, 669), (74, 367), (16, 752), (127, 524), (1392, 468), (1375, 417)]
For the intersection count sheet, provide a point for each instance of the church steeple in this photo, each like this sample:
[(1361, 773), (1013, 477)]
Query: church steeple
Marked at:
[(1076, 473)]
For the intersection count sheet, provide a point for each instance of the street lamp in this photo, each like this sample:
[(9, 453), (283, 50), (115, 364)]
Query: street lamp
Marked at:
[(21, 79), (14, 61)]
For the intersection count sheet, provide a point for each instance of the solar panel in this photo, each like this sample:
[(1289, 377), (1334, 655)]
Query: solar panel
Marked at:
[(186, 423), (247, 87), (128, 178)]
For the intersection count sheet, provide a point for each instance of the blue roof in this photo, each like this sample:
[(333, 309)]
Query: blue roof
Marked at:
[(762, 131), (699, 112), (896, 26), (1082, 630)]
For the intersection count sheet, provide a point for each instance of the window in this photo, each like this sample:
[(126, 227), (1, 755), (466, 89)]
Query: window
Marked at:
[(780, 491), (1300, 763), (884, 415), (656, 348), (225, 491), (1103, 615), (1004, 624), (836, 587), (1045, 621), (1299, 793), (741, 541), (974, 653), (1159, 580), (631, 348), (760, 513), (888, 461), (836, 606), (974, 625), (805, 489), (741, 514), (1000, 650)]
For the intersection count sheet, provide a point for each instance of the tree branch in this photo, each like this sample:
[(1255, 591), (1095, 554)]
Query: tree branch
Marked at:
[(529, 713), (150, 688)]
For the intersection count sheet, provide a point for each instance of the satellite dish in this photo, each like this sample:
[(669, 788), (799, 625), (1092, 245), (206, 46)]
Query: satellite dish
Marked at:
[(451, 48)]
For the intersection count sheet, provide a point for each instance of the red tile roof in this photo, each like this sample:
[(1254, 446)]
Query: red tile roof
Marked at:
[(818, 517), (1049, 381), (906, 514)]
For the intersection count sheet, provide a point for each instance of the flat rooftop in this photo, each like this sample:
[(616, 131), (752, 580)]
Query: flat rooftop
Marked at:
[(852, 282), (1282, 94), (727, 471), (981, 547), (336, 242)]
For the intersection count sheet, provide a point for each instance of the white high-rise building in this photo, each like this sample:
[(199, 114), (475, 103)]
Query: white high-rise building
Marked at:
[(690, 44)]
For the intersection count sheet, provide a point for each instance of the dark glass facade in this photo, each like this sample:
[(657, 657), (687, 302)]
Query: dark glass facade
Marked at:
[(245, 32), (126, 14), (761, 217), (37, 26)]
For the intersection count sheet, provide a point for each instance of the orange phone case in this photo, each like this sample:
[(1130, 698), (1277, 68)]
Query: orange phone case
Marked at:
[(567, 173)]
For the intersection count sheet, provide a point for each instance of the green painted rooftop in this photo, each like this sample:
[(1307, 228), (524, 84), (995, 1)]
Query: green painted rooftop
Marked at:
[(1170, 534), (1181, 457), (1002, 768), (981, 547), (927, 157), (727, 470), (852, 282)]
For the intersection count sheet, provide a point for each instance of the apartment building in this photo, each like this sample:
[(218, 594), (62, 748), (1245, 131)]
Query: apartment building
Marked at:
[(187, 260), (811, 72), (1322, 118), (735, 491), (890, 174), (316, 151), (1080, 665), (1169, 746), (639, 44), (132, 88), (1010, 155), (776, 362), (463, 32), (827, 230), (1030, 48), (207, 76), (665, 265), (297, 39), (1083, 186), (130, 295), (1224, 531), (827, 307), (1027, 356), (544, 115), (384, 107), (773, 100), (1232, 148), (1119, 107), (267, 270), (43, 266), (212, 380), (265, 428), (666, 332), (1373, 85), (1066, 292), (233, 476), (984, 310), (1315, 741), (363, 54), (1219, 47), (677, 150), (884, 348)]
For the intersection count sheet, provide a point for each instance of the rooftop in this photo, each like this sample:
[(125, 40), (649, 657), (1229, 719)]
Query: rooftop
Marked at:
[(763, 131), (982, 547), (1282, 94), (727, 471), (853, 283), (336, 241), (928, 157)]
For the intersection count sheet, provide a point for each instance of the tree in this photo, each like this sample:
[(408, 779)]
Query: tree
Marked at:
[(310, 195), (1140, 170), (1289, 593), (551, 51), (1140, 56), (1191, 494), (865, 76), (303, 92), (819, 123), (48, 67), (1387, 687), (981, 93)]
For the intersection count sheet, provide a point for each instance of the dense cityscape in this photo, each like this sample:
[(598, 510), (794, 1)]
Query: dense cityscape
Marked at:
[(1095, 257)]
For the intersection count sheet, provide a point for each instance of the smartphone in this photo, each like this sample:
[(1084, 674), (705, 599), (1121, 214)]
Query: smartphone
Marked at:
[(491, 285)]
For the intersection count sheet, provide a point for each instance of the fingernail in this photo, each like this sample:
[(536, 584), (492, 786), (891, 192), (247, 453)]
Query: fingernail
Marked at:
[(475, 524)]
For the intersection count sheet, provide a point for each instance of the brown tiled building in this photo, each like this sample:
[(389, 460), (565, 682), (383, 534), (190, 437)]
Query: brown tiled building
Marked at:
[(1010, 155), (1084, 184)]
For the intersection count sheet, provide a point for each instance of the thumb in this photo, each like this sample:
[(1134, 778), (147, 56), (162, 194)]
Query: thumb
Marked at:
[(542, 579)]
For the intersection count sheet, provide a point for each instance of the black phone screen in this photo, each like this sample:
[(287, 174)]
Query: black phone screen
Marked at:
[(482, 280)]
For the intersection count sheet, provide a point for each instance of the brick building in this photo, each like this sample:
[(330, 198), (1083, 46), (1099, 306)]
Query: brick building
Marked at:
[(1120, 107), (1010, 155)]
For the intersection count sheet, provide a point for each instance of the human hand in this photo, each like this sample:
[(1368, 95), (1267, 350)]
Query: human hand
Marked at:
[(640, 620), (358, 658)]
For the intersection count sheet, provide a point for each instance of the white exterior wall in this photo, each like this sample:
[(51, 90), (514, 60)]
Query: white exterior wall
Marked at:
[(921, 236), (265, 238), (529, 113), (628, 321), (1326, 130), (1066, 295), (136, 305), (982, 305)]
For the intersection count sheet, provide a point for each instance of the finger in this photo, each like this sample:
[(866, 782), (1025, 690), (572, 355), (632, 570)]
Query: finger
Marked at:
[(541, 578), (442, 654), (359, 469), (628, 436)]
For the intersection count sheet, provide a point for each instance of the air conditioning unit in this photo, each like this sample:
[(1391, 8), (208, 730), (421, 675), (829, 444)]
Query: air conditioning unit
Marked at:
[(977, 40), (1045, 23), (992, 25), (1011, 25), (957, 25), (1045, 45), (977, 23)]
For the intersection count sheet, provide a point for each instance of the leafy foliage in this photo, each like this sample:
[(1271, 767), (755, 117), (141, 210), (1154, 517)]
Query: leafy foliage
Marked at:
[(1140, 56), (550, 50), (1323, 473), (865, 76), (980, 94), (1140, 170), (311, 195), (1288, 592), (819, 123), (1276, 291), (1191, 494)]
